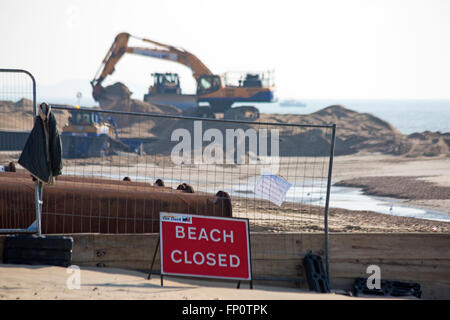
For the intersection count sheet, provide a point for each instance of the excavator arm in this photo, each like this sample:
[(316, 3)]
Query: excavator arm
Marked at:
[(160, 51), (175, 54)]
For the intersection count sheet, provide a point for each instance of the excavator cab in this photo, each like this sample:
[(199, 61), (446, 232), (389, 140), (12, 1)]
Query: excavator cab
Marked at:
[(208, 84), (165, 83), (82, 118)]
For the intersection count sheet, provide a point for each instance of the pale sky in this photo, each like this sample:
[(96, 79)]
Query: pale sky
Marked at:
[(319, 48)]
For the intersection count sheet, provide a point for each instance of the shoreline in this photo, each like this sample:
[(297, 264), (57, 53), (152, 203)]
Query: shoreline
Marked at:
[(422, 182), (398, 187), (433, 209)]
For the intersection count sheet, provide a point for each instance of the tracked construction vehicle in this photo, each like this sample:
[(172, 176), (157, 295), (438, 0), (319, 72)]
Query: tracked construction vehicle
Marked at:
[(88, 134), (215, 95)]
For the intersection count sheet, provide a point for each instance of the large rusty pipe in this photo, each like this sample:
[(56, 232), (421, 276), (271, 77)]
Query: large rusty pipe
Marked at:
[(72, 205)]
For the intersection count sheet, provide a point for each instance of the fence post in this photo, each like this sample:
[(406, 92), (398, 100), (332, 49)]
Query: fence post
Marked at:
[(38, 185), (327, 202)]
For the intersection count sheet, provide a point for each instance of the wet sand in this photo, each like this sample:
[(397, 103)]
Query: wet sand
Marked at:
[(421, 182)]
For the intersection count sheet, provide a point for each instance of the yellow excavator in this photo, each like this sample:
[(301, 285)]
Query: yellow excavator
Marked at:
[(212, 96)]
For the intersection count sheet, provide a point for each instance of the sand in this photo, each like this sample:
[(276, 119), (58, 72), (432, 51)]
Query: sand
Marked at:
[(388, 173), (421, 181), (370, 154), (356, 132), (19, 282)]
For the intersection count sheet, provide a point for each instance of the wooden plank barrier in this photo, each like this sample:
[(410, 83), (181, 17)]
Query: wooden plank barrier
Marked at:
[(417, 257)]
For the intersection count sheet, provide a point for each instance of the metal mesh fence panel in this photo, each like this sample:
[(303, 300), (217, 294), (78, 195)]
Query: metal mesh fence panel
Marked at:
[(180, 151), (17, 106), (121, 169)]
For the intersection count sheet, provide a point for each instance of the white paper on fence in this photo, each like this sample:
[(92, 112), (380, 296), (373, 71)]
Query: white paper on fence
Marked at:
[(272, 188), (2, 169)]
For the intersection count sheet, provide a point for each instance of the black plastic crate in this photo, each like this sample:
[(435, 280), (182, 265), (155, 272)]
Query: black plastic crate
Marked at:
[(315, 273), (38, 250), (388, 288)]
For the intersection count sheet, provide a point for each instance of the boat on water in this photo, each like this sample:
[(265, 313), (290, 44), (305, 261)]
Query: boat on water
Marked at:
[(292, 103)]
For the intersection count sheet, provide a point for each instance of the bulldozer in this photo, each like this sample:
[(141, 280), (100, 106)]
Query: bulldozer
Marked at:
[(88, 134), (213, 96)]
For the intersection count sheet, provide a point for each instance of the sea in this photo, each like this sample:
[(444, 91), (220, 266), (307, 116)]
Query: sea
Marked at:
[(408, 116)]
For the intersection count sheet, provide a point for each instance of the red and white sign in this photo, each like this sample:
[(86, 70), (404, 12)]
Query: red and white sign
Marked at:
[(203, 246)]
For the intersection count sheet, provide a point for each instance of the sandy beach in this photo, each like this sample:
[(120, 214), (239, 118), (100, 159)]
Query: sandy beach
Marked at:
[(420, 181), (411, 171), (417, 182), (18, 282), (304, 145)]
